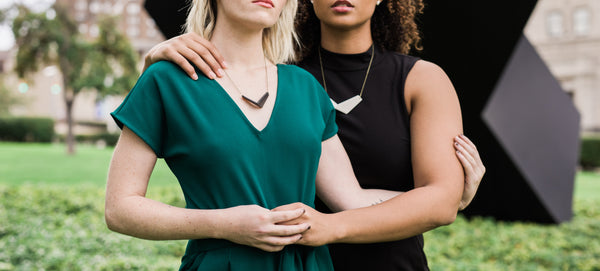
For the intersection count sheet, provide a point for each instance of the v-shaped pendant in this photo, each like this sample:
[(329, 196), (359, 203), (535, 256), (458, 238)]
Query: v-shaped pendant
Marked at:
[(260, 103), (347, 105)]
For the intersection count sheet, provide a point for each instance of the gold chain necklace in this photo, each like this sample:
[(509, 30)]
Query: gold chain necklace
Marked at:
[(349, 104), (261, 102)]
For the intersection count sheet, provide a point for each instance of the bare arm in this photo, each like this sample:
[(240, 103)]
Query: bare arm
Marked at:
[(336, 183), (128, 211), (435, 120)]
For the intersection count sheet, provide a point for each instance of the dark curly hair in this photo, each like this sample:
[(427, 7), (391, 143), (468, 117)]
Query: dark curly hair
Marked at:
[(393, 26)]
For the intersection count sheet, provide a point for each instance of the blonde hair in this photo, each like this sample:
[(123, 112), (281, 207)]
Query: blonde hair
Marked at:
[(278, 40)]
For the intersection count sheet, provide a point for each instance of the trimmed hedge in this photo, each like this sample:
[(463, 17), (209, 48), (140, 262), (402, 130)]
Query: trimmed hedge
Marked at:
[(26, 129), (110, 139), (590, 152)]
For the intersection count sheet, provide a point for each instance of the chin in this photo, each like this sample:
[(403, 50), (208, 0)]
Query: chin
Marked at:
[(263, 23), (345, 23)]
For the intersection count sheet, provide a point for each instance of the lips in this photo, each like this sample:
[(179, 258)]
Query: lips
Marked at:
[(264, 3), (342, 3), (342, 6)]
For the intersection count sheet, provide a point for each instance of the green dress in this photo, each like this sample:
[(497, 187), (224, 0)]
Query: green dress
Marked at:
[(221, 160)]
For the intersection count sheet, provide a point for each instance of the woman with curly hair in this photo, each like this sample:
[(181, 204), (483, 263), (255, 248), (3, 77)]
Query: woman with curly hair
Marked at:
[(397, 116)]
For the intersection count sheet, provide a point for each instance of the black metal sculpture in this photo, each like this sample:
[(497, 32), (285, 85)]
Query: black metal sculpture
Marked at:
[(525, 126)]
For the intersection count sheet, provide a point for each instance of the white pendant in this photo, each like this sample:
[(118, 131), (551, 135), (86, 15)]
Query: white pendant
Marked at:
[(347, 105)]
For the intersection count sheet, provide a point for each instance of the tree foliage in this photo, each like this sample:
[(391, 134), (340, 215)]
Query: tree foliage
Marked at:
[(106, 64), (7, 99)]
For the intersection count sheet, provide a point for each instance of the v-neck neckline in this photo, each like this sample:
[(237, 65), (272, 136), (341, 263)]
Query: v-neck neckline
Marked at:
[(241, 112)]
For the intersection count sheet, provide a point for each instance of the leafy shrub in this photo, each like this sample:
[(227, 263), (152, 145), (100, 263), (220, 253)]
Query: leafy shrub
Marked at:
[(54, 227), (108, 138), (590, 152), (62, 228), (26, 129)]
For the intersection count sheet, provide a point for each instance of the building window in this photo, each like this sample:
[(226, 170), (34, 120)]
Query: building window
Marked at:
[(133, 20), (151, 28), (555, 24), (81, 5), (582, 21), (133, 31), (133, 9)]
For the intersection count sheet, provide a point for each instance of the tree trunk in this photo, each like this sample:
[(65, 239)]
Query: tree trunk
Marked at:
[(70, 140)]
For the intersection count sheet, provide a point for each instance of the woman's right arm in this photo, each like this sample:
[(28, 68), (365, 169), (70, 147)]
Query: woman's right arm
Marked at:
[(188, 49), (128, 211)]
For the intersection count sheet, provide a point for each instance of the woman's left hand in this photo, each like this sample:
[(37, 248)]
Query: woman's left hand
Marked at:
[(322, 229), (473, 166)]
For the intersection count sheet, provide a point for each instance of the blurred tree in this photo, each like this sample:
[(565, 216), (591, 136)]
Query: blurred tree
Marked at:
[(106, 64), (7, 98)]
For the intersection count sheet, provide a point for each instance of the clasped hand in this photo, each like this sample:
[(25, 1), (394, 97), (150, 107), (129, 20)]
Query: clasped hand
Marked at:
[(271, 230)]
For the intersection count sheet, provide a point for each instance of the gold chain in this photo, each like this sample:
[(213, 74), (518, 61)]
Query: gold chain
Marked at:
[(366, 75)]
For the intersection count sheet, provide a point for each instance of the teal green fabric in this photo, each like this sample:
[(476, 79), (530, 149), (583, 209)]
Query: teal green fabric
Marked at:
[(221, 160)]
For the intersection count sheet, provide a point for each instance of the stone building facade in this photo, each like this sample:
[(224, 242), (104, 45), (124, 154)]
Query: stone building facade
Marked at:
[(566, 34)]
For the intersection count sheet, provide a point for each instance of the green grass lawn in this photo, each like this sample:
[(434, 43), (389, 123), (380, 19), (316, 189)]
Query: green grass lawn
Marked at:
[(51, 218), (22, 163)]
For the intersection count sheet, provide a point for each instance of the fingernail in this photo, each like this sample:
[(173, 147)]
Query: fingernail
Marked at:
[(212, 75), (195, 76), (220, 72), (224, 64)]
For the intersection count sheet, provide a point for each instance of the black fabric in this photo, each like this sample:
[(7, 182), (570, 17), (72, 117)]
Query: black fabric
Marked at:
[(376, 135)]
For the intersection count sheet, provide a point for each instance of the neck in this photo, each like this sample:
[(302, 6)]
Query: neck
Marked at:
[(242, 47), (346, 41)]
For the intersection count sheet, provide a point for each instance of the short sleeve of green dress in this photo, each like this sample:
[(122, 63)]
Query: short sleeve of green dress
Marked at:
[(221, 160)]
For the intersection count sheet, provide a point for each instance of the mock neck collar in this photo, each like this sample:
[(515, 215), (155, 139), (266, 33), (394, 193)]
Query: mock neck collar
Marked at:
[(349, 62)]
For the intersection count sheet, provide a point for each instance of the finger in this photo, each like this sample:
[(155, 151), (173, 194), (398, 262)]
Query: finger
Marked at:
[(288, 230), (468, 168), (212, 49), (281, 216), (269, 248), (182, 62), (469, 148), (193, 57), (466, 154), (277, 241), (475, 151), (203, 56), (467, 140), (219, 60), (288, 207)]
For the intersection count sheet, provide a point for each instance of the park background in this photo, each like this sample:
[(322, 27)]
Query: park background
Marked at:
[(51, 202)]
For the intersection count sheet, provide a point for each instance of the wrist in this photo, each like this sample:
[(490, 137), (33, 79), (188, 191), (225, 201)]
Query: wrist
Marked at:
[(215, 224), (339, 226)]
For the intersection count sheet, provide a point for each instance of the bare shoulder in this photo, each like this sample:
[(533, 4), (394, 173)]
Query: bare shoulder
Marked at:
[(426, 79)]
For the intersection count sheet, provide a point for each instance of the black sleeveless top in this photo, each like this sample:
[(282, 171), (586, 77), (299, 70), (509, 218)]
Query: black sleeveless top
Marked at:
[(376, 135)]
